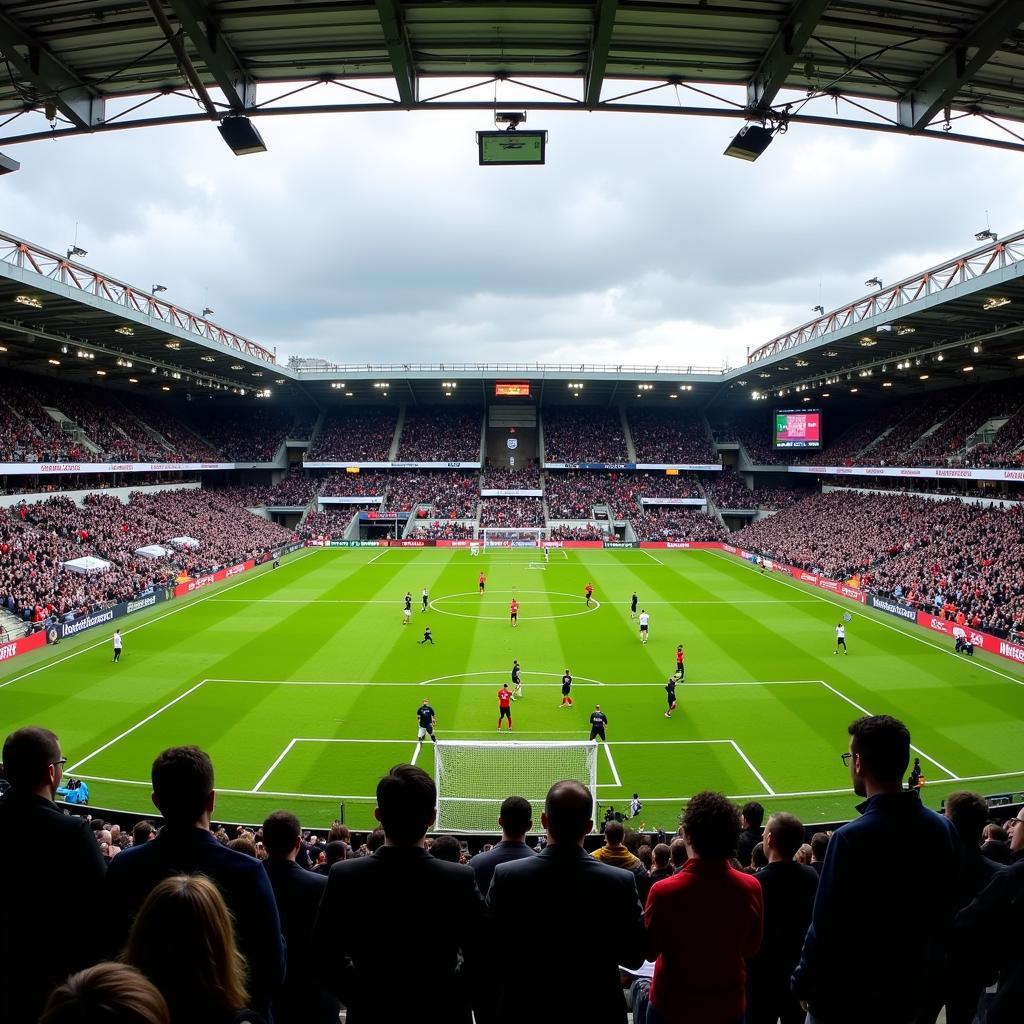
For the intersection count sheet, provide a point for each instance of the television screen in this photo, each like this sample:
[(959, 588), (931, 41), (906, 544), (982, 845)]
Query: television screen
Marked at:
[(797, 429)]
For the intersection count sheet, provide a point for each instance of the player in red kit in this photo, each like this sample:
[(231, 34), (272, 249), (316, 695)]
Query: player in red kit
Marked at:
[(505, 707), (483, 582), (680, 656), (513, 611), (589, 591)]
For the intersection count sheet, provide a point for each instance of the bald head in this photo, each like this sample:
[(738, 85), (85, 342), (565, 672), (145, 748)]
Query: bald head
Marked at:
[(568, 812)]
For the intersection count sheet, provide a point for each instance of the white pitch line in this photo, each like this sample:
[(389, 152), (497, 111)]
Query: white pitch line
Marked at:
[(184, 606), (876, 621), (416, 751), (651, 557), (611, 764), (917, 750), (750, 765), (381, 555), (442, 682), (137, 725), (270, 771)]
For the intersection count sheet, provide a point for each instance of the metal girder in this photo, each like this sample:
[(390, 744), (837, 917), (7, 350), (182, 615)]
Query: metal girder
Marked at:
[(213, 49), (597, 61), (784, 52), (938, 87), (396, 39), (53, 81)]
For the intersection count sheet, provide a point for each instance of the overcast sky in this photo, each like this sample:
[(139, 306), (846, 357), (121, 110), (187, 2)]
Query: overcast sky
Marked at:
[(378, 238)]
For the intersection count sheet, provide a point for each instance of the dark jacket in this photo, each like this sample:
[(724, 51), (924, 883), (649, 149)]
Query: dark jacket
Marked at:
[(866, 898), (302, 998), (988, 941), (50, 916), (995, 851), (483, 864), (566, 922), (390, 932), (749, 838), (179, 850)]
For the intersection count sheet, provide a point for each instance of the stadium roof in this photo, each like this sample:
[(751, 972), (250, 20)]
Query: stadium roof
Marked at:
[(951, 69)]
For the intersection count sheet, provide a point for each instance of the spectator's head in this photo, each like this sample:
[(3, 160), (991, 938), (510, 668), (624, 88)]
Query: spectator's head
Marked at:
[(993, 833), (711, 826), (783, 836), (335, 851), (108, 993), (568, 813), (243, 844), (446, 848), (183, 786), (339, 832), (1016, 830), (183, 940), (804, 854), (406, 804), (758, 858), (282, 835), (819, 844), (515, 818), (678, 852), (968, 812), (660, 856), (33, 762), (752, 814), (375, 840), (614, 833), (879, 754)]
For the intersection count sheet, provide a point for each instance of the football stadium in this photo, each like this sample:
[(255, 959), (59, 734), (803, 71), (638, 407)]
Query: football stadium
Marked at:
[(748, 633)]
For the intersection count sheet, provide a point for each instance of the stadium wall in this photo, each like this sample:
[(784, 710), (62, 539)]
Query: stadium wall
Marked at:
[(121, 493)]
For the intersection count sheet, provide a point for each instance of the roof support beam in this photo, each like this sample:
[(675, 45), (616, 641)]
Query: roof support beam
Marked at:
[(54, 82), (784, 52), (396, 39), (214, 51), (597, 61), (938, 87)]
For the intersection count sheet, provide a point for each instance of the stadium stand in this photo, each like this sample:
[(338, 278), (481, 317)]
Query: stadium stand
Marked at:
[(450, 495), (253, 434), (293, 489), (328, 523), (355, 437), (727, 490), (512, 512), (438, 530), (583, 435), (440, 435), (525, 479), (670, 437)]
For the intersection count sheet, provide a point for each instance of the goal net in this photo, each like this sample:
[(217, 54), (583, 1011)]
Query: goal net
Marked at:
[(474, 777), (506, 537)]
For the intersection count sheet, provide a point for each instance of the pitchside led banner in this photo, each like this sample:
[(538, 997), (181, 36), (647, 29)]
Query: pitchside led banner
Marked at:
[(797, 429)]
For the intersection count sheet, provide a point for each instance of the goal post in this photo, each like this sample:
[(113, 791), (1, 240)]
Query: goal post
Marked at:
[(473, 777), (512, 537)]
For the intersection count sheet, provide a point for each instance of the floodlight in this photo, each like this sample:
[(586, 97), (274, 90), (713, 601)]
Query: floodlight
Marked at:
[(158, 288), (873, 282), (207, 311), (74, 250), (750, 142), (7, 165), (241, 135), (820, 310), (988, 235)]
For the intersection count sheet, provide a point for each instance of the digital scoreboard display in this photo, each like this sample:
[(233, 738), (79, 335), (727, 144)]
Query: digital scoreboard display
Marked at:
[(512, 389), (518, 147), (798, 429)]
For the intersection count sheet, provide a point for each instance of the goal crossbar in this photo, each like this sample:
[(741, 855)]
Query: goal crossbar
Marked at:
[(512, 536), (475, 776)]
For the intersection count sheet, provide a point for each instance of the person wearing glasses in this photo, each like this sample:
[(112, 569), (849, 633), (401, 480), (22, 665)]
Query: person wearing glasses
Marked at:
[(854, 957), (45, 935), (1015, 826)]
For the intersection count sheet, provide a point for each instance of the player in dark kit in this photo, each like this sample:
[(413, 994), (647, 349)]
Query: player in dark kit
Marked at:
[(505, 707), (598, 722), (427, 637), (680, 656), (517, 681), (566, 690), (426, 716), (632, 606), (425, 599), (670, 692)]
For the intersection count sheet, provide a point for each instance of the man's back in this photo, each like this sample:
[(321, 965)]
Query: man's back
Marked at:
[(298, 893), (566, 922), (483, 864), (853, 966), (52, 874), (389, 934), (242, 882)]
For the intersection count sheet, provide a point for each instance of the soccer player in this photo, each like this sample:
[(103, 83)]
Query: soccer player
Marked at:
[(670, 692), (645, 622), (504, 706), (598, 721), (483, 582), (517, 681), (513, 611), (635, 806), (840, 638), (589, 591), (427, 717), (632, 606), (680, 656), (407, 609), (547, 554), (425, 600), (566, 690), (117, 645), (427, 637)]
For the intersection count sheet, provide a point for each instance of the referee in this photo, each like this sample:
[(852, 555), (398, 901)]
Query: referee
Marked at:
[(598, 721)]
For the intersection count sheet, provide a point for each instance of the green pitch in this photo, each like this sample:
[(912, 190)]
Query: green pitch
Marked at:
[(302, 682)]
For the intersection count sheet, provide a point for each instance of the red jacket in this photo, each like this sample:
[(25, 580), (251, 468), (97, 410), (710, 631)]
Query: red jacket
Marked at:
[(701, 925)]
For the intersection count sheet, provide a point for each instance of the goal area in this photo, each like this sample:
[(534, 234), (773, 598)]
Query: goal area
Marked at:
[(473, 777), (512, 537)]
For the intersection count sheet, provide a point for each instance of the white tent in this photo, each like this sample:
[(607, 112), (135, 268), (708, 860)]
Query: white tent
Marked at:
[(87, 565), (184, 542), (153, 551)]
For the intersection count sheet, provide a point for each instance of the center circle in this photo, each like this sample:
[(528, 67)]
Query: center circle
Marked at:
[(476, 598)]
